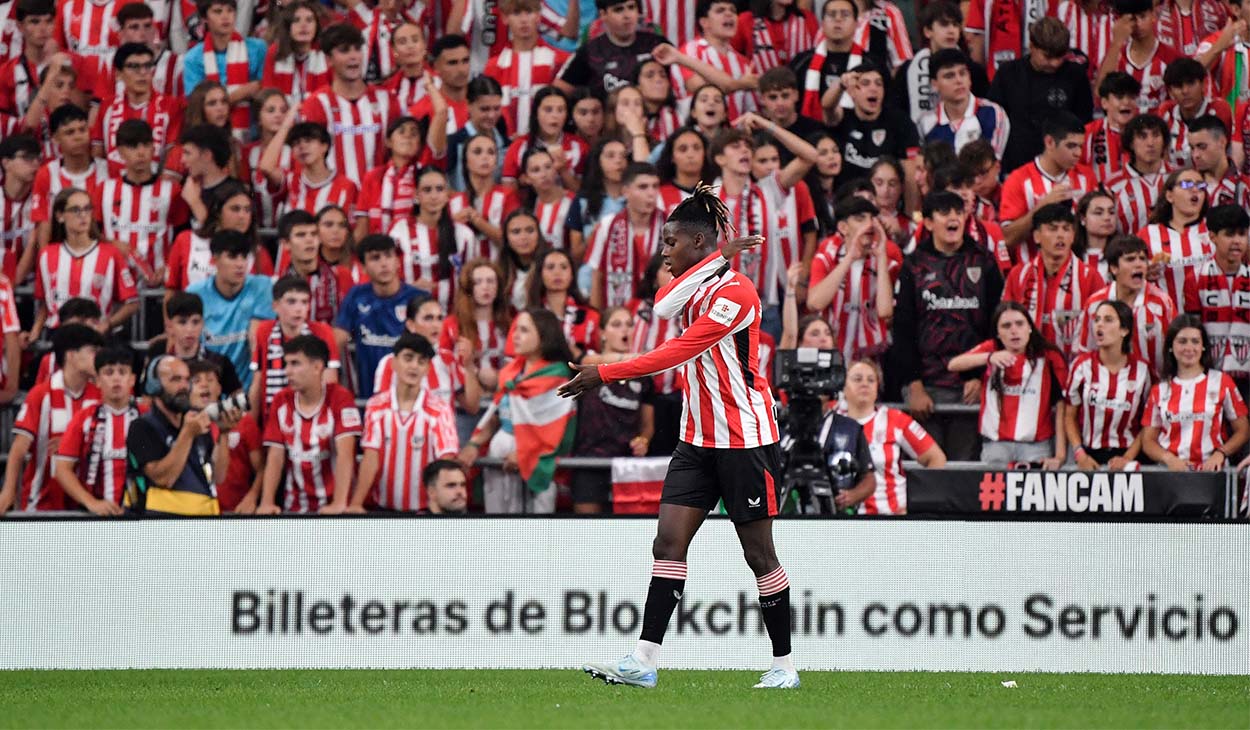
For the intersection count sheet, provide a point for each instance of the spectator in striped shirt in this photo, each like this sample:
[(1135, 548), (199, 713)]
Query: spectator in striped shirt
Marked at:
[(19, 161), (74, 168), (1104, 151), (1146, 139), (316, 184), (941, 23), (1218, 290), (291, 302), (1106, 393), (1052, 177), (1208, 148), (1186, 82)]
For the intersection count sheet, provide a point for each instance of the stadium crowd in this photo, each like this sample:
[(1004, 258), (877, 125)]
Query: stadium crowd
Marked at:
[(393, 225)]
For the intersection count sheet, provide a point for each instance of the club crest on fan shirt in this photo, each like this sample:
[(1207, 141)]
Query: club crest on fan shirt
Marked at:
[(974, 274)]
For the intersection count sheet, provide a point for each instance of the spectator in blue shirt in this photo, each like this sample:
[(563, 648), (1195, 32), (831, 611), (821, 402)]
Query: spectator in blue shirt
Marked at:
[(230, 51), (234, 300), (373, 314)]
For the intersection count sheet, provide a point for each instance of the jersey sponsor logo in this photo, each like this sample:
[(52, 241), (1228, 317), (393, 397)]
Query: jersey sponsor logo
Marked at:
[(364, 308), (937, 302), (724, 311)]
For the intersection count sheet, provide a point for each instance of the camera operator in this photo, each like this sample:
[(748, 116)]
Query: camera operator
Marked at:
[(173, 458)]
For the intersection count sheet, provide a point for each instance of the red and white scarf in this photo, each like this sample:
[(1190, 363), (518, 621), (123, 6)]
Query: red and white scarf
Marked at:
[(298, 78), (811, 84), (626, 256), (398, 195), (664, 123), (237, 75)]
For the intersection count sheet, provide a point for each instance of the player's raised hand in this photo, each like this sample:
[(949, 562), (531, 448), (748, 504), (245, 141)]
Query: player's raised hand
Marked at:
[(587, 379), (740, 244)]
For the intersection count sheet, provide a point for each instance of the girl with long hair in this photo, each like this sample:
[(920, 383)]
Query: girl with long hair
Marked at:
[(1193, 407), (294, 65), (389, 190), (659, 101), (601, 194), (1177, 234), (189, 258), (432, 245), (892, 436), (822, 180), (1095, 226), (1106, 392), (587, 117), (543, 194), (271, 107), (528, 383), (337, 245), (489, 202), (208, 103), (683, 162), (552, 288), (521, 243), (568, 151), (886, 177), (482, 315), (75, 245), (1022, 382), (709, 111)]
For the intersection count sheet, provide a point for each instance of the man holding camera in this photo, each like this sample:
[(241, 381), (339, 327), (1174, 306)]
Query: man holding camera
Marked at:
[(176, 457)]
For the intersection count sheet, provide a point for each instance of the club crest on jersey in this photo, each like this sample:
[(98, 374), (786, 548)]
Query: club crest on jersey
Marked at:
[(97, 281), (878, 137), (401, 312), (232, 439), (418, 439), (974, 274)]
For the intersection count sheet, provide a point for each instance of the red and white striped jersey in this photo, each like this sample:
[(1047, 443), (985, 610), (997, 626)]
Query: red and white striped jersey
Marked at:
[(160, 112), (726, 59), (268, 361), (17, 230), (1170, 112), (651, 331), (387, 195), (407, 442), (52, 178), (1223, 302), (1191, 414), (1103, 152), (406, 90), (1186, 251), (88, 27), (522, 74), (1232, 189), (619, 253), (675, 19), (303, 194), (310, 440), (489, 346), (166, 77), (1028, 184), (852, 314), (143, 218), (267, 198), (100, 273), (9, 324), (296, 78), (727, 403), (576, 152), (671, 196), (1020, 405), (445, 378), (1150, 74), (95, 443), (892, 436), (1135, 195), (44, 416), (761, 209), (420, 259), (770, 43), (11, 41), (551, 219), (495, 206), (1108, 405), (1055, 303), (1090, 30), (793, 216), (1184, 31), (883, 19), (1153, 311), (357, 127)]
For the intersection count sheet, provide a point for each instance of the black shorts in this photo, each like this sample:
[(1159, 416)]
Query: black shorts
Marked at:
[(747, 479)]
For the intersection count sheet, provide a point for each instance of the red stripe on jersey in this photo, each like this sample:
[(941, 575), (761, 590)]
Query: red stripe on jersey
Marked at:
[(522, 74), (419, 251), (1109, 405), (52, 178), (551, 218), (1190, 414), (676, 19), (1186, 251), (725, 59), (891, 434), (1223, 301), (406, 443), (357, 127), (310, 441), (44, 416), (88, 27), (388, 194), (1055, 302), (1090, 30), (1153, 311), (1021, 406), (852, 314), (160, 112), (100, 273), (303, 194), (1135, 195), (142, 217), (17, 230)]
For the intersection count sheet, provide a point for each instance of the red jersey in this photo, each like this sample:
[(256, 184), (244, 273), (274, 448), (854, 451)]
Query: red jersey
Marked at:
[(52, 178), (1186, 251), (1018, 402), (387, 195), (576, 151), (1090, 30), (407, 90), (44, 416), (495, 206), (883, 24), (17, 230), (852, 314), (1190, 414), (422, 261), (728, 60), (357, 126), (303, 194), (243, 440), (310, 440), (1153, 311), (1004, 26), (190, 261), (95, 443), (100, 273), (11, 44), (522, 74), (1135, 194), (1232, 189), (457, 111), (758, 210), (1170, 112), (268, 363), (1103, 151), (160, 112), (1109, 405), (1055, 303), (1223, 302), (794, 215), (892, 436), (488, 344), (407, 442), (1184, 30), (296, 78), (675, 19), (445, 377), (671, 196), (1028, 184), (1150, 74), (551, 219), (88, 27), (267, 198), (651, 331), (726, 401), (771, 43), (9, 324), (143, 218), (619, 253)]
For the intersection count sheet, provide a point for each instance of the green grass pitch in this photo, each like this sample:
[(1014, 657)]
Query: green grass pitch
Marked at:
[(556, 699)]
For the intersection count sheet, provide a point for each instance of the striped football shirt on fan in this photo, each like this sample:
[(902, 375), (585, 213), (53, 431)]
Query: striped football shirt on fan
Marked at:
[(142, 217), (388, 194), (1022, 409), (420, 259), (52, 178), (1185, 251), (268, 359), (892, 436), (1190, 414), (1223, 302), (88, 27), (771, 43), (551, 219), (728, 60), (1103, 150), (1090, 31), (1055, 303), (357, 127), (1153, 311), (407, 442), (651, 331), (1108, 405), (852, 313), (1135, 194), (101, 469), (445, 377), (17, 228), (303, 194), (310, 442), (100, 273), (9, 324), (45, 414), (160, 112), (522, 74)]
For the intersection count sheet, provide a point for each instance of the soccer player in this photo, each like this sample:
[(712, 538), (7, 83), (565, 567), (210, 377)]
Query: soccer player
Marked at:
[(355, 113), (291, 301), (90, 462), (407, 428), (1103, 151), (75, 168), (228, 58), (621, 246), (310, 434), (1146, 139), (1127, 260), (138, 100), (526, 66), (47, 411), (1052, 177), (729, 445), (19, 161), (1218, 290), (184, 339), (372, 313)]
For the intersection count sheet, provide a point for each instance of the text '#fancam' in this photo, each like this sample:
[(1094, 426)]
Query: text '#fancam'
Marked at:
[(1061, 492)]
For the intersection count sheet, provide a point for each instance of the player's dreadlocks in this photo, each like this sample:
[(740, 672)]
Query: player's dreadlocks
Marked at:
[(704, 210)]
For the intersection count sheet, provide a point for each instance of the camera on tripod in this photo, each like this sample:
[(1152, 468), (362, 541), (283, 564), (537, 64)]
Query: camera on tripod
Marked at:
[(807, 375)]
